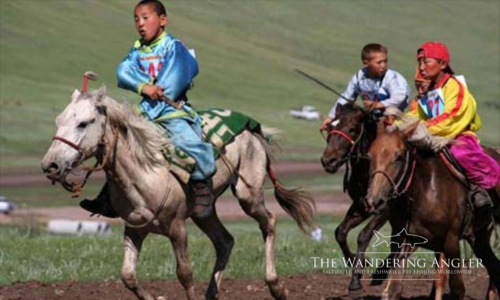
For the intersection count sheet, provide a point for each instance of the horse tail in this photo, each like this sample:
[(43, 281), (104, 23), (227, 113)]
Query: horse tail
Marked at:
[(297, 203)]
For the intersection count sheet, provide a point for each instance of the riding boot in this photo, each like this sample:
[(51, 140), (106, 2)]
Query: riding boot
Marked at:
[(482, 206), (100, 205), (203, 198)]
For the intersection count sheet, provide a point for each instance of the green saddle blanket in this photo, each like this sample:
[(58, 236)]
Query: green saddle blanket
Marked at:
[(220, 127)]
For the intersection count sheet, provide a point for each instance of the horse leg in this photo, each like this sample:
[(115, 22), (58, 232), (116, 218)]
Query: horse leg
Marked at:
[(439, 278), (394, 287), (352, 219), (252, 202), (178, 237), (355, 287), (223, 243), (492, 291), (452, 253), (482, 249), (132, 247), (382, 272)]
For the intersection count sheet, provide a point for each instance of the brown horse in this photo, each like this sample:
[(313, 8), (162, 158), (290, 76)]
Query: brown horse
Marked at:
[(434, 207)]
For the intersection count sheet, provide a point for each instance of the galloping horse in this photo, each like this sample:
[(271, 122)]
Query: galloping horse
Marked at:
[(149, 198), (434, 206), (347, 143)]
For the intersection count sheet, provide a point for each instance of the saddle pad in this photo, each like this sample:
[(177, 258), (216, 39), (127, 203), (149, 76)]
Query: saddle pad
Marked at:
[(220, 127)]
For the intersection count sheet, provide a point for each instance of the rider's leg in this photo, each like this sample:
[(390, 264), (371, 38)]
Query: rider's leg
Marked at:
[(100, 205), (186, 134), (481, 170), (482, 206)]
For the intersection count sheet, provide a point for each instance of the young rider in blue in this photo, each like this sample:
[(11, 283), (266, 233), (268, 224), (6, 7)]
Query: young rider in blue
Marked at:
[(161, 69)]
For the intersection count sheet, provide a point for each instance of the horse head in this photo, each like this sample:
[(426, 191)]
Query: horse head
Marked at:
[(390, 160), (80, 134), (343, 138)]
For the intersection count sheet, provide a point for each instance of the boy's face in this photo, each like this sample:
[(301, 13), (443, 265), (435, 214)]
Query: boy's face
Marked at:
[(148, 23), (377, 64), (431, 68), (422, 87)]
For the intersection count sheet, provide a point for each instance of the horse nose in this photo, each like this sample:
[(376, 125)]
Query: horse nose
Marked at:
[(50, 168), (329, 162), (377, 206)]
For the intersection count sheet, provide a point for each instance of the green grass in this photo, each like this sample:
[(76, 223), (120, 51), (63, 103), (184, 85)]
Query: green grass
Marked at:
[(28, 253), (247, 52)]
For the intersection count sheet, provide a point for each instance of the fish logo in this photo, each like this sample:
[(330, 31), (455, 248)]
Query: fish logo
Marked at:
[(417, 239)]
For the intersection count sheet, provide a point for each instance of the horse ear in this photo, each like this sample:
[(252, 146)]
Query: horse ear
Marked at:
[(338, 111), (408, 131), (101, 94), (75, 95)]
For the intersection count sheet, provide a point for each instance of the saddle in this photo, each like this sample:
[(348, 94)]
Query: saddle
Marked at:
[(220, 128), (452, 165)]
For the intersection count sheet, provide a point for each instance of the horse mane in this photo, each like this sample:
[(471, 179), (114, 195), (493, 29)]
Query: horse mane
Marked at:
[(421, 137), (351, 106), (145, 140)]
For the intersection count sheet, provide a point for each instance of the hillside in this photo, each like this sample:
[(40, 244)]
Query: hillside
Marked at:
[(247, 52)]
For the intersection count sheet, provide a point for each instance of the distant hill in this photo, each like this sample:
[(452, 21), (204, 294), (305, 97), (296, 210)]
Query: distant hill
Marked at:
[(247, 52)]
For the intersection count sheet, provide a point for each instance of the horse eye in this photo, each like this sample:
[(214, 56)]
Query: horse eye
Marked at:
[(84, 124), (400, 157)]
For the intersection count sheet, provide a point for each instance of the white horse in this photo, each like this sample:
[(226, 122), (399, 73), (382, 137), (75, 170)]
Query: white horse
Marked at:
[(149, 198)]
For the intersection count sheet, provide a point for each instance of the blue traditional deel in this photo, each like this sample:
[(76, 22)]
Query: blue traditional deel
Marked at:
[(165, 62)]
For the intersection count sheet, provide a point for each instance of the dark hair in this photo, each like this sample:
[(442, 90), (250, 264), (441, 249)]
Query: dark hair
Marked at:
[(369, 49), (158, 7)]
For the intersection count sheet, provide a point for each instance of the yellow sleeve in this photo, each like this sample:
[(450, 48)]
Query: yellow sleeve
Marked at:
[(459, 111), (415, 110)]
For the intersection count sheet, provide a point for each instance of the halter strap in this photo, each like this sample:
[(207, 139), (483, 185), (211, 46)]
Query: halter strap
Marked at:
[(69, 143)]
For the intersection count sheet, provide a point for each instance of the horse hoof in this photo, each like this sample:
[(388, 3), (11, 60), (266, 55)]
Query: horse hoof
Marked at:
[(283, 295), (356, 294), (211, 297)]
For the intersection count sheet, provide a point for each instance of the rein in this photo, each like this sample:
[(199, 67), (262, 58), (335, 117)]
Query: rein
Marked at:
[(406, 177)]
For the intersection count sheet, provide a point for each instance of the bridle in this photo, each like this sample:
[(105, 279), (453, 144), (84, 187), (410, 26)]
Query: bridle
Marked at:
[(345, 136), (400, 187), (80, 150)]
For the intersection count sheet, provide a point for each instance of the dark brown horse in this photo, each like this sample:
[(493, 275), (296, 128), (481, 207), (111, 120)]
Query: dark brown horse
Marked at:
[(347, 144), (437, 208)]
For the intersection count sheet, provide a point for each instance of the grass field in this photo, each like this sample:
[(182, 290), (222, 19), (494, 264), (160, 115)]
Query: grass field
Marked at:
[(247, 52), (29, 254)]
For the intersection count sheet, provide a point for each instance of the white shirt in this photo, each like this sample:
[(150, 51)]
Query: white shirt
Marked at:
[(391, 90)]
